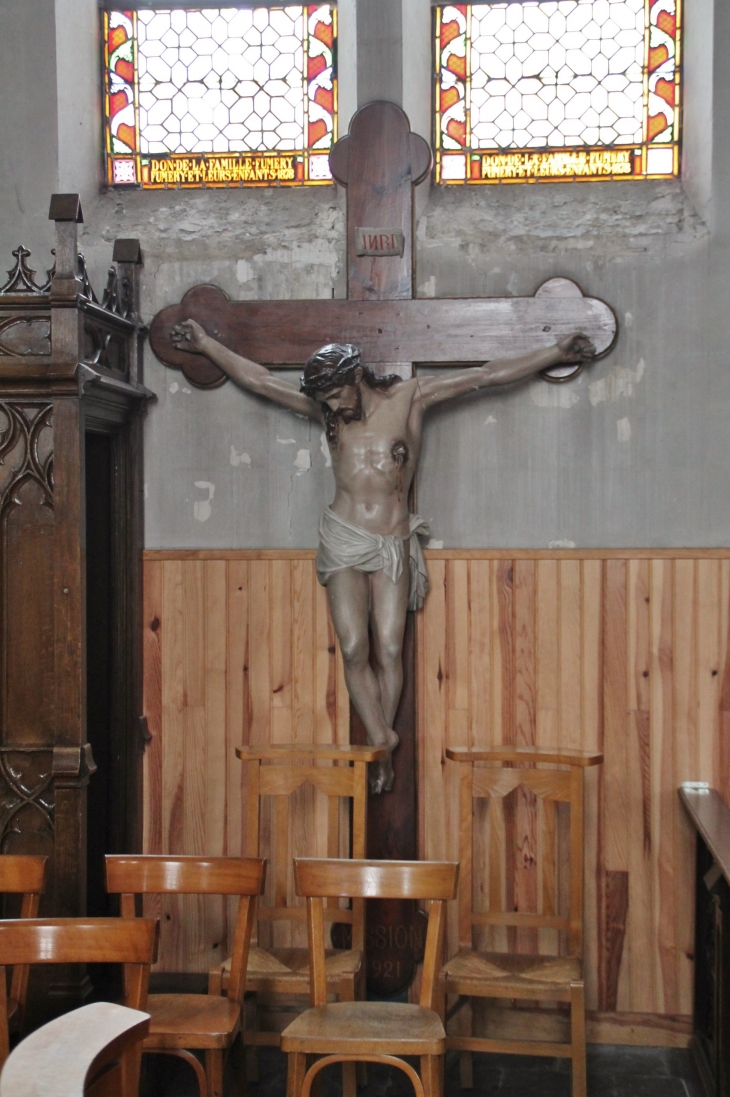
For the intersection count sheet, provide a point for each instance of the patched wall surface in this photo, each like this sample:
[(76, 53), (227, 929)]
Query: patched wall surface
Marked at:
[(633, 453)]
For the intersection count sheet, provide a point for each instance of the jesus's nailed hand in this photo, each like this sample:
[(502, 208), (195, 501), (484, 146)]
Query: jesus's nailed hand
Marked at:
[(188, 335)]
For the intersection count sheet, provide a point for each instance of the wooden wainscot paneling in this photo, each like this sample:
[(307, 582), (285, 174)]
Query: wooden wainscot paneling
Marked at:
[(620, 651), (239, 648)]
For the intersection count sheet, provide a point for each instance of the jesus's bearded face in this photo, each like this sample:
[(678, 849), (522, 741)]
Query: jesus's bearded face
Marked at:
[(342, 404)]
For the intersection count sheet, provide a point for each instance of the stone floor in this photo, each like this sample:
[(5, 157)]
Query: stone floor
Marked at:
[(612, 1072)]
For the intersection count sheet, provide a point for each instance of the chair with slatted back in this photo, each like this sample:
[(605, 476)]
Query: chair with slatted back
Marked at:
[(182, 1023), (83, 1053), (22, 874), (525, 824), (83, 941), (370, 1032), (278, 965)]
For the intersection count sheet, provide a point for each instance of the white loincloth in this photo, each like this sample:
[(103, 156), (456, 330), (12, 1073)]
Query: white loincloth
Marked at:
[(342, 545)]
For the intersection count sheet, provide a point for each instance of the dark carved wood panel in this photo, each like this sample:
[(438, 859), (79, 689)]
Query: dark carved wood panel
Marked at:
[(26, 552), (69, 363), (26, 801)]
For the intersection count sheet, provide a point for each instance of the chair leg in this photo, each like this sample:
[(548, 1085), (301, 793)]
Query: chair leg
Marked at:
[(214, 1072), (578, 1038), (250, 1023), (296, 1069), (464, 1021), (349, 1079), (431, 1075), (353, 1074)]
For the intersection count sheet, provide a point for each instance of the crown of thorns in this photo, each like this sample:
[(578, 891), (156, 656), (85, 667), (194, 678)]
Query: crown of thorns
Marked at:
[(329, 367)]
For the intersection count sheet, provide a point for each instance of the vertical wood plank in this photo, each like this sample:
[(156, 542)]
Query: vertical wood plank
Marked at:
[(301, 687), (503, 691), (259, 663), (592, 739), (152, 707), (665, 802), (708, 666), (686, 753), (547, 715), (194, 748), (325, 669), (482, 730), (215, 941), (457, 636), (521, 806), (614, 966), (171, 953), (237, 701), (640, 941), (433, 714), (570, 653)]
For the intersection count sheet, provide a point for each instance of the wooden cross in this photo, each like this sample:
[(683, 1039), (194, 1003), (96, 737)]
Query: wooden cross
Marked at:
[(379, 163)]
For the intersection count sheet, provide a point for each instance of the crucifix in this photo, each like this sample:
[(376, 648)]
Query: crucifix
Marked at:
[(364, 388)]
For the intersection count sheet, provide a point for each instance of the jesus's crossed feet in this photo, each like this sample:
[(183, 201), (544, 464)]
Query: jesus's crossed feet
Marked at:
[(381, 775)]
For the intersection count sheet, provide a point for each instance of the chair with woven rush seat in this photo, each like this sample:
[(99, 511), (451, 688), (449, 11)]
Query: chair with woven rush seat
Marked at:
[(374, 1032), (278, 967), (22, 874), (181, 1023), (522, 973), (83, 941)]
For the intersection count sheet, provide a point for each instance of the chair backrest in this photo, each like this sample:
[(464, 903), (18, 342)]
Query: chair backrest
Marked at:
[(84, 1053), (153, 874), (517, 855), (79, 941), (279, 826), (23, 874), (318, 879)]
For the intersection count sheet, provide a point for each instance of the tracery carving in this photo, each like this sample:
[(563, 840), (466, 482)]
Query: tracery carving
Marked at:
[(21, 279), (103, 347), (27, 801), (21, 336), (118, 296), (87, 290), (24, 439)]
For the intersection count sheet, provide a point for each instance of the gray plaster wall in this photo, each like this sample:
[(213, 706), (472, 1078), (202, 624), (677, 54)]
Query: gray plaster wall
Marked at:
[(635, 453)]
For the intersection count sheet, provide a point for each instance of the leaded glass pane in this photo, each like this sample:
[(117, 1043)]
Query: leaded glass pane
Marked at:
[(557, 89), (220, 96)]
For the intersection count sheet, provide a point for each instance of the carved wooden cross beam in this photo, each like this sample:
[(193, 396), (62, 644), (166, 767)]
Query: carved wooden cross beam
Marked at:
[(379, 163)]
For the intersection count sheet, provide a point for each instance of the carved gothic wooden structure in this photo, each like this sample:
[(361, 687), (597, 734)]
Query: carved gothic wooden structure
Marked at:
[(69, 388)]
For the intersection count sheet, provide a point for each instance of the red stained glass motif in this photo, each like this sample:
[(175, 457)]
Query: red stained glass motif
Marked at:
[(120, 85), (220, 96), (564, 89)]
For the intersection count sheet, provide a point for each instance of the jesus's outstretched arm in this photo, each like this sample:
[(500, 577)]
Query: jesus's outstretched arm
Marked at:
[(190, 336), (573, 349)]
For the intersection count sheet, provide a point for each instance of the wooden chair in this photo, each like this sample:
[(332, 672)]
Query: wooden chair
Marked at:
[(84, 1053), (370, 1032), (22, 874), (82, 941), (183, 1022), (277, 966), (522, 974)]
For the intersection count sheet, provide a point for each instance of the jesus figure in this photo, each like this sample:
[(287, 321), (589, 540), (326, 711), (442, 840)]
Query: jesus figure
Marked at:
[(369, 556)]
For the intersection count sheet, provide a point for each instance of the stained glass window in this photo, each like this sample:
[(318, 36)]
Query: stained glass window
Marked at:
[(217, 97), (540, 90)]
